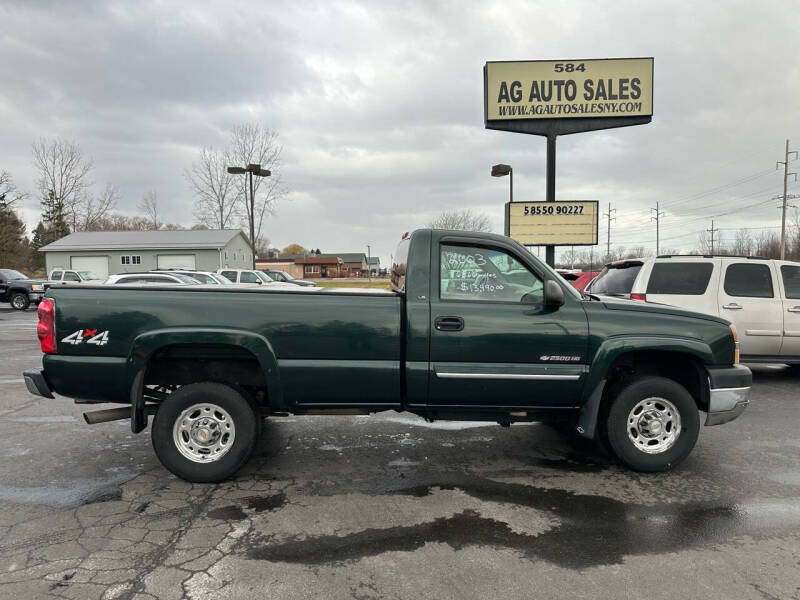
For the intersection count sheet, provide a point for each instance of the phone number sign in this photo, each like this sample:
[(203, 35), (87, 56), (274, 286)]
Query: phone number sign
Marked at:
[(561, 223)]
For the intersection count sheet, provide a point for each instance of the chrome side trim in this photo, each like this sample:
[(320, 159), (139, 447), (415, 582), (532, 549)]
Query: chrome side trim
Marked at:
[(507, 376)]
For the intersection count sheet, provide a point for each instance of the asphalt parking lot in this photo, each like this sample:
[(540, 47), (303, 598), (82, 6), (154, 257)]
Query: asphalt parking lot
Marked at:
[(392, 507)]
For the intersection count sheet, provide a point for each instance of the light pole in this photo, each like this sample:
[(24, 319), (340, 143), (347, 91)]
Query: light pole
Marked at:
[(501, 171), (251, 169)]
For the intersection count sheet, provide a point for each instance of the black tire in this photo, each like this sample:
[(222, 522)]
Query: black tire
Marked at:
[(616, 425), (242, 414), (19, 301)]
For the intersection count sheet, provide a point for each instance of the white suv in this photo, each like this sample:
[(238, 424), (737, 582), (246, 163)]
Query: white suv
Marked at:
[(250, 277), (761, 297)]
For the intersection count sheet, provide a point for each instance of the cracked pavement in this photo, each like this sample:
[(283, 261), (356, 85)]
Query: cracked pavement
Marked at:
[(389, 506)]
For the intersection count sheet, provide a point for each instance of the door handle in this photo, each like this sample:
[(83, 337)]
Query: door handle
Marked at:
[(449, 323), (793, 309), (732, 306)]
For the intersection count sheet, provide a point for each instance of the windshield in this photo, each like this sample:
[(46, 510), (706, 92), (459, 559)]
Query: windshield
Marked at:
[(264, 277), (201, 277), (87, 275), (185, 278), (220, 279), (286, 275), (11, 274), (616, 280)]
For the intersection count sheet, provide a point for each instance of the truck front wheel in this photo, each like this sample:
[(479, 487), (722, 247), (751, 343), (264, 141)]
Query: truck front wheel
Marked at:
[(652, 424), (205, 432), (19, 301)]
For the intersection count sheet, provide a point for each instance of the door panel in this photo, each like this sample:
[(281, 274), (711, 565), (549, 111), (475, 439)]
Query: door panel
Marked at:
[(496, 351), (748, 297), (790, 292)]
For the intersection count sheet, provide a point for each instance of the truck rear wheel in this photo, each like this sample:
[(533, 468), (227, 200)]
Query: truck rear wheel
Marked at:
[(205, 432), (652, 424), (19, 301)]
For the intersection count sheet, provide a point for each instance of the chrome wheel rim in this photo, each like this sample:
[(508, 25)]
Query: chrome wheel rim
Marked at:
[(204, 432), (18, 302), (654, 425)]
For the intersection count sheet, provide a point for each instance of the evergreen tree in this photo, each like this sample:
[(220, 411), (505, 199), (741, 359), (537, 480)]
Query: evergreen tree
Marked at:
[(41, 237), (14, 252), (54, 217)]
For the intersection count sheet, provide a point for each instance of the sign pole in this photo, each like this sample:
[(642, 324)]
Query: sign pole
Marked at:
[(550, 251)]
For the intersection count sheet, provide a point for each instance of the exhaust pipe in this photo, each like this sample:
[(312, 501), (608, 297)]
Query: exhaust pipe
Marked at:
[(110, 414)]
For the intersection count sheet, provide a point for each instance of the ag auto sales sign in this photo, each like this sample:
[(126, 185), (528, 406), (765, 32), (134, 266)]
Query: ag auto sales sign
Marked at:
[(610, 87)]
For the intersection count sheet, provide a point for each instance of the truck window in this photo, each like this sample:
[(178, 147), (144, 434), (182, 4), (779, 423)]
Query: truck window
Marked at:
[(229, 275), (748, 280), (56, 275), (70, 276), (246, 277), (616, 279), (484, 274), (791, 280), (399, 265), (680, 278)]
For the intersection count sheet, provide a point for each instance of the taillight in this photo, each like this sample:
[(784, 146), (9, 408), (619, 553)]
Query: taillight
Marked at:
[(642, 297), (46, 329)]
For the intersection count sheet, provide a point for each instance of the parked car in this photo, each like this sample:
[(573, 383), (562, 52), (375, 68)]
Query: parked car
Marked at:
[(150, 278), (71, 277), (761, 297), (476, 328), (283, 276), (204, 277), (583, 279), (18, 290), (250, 277), (616, 278)]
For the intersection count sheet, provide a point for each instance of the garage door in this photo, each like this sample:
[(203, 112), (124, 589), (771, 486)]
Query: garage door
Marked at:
[(176, 261), (96, 264)]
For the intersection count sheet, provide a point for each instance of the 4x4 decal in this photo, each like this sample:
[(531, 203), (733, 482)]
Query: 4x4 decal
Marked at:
[(90, 336)]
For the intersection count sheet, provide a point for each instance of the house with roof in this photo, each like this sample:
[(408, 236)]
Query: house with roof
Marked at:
[(354, 264), (107, 253)]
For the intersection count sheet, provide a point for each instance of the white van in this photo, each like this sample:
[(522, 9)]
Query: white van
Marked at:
[(761, 297)]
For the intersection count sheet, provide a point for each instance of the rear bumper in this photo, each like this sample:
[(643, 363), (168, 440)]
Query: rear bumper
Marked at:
[(37, 384), (729, 393)]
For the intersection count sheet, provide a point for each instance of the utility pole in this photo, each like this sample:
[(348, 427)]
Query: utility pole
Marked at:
[(712, 231), (785, 163), (369, 266), (610, 216), (657, 218)]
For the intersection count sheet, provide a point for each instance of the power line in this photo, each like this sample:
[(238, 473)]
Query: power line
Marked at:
[(657, 219), (610, 217), (785, 163)]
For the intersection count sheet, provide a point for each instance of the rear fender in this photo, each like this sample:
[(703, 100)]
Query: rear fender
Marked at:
[(611, 350), (145, 345)]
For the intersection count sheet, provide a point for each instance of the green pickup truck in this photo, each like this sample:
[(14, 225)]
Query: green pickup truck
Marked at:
[(475, 328)]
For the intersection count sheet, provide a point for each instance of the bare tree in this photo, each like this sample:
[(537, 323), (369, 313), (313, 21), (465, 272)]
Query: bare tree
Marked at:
[(90, 210), (215, 195), (254, 144), (742, 243), (464, 220), (9, 194), (149, 206), (64, 172)]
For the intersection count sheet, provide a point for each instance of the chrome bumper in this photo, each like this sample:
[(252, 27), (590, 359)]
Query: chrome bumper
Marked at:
[(725, 404)]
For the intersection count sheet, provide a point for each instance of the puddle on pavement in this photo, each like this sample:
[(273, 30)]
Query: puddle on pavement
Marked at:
[(592, 530), (257, 504)]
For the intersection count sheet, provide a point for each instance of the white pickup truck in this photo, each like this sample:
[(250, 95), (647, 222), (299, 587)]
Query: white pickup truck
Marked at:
[(70, 276), (761, 297)]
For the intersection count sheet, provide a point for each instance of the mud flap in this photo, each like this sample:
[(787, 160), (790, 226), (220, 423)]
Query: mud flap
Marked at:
[(587, 417), (138, 413)]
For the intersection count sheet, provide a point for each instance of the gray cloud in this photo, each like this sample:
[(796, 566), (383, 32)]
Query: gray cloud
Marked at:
[(380, 106)]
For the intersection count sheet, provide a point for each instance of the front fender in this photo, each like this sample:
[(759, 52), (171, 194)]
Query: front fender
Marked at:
[(146, 344), (610, 350)]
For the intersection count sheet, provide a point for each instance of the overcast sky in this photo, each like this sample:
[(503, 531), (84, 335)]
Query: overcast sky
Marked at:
[(379, 107)]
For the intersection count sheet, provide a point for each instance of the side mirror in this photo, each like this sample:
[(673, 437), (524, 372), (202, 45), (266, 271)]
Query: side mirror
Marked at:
[(553, 294)]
